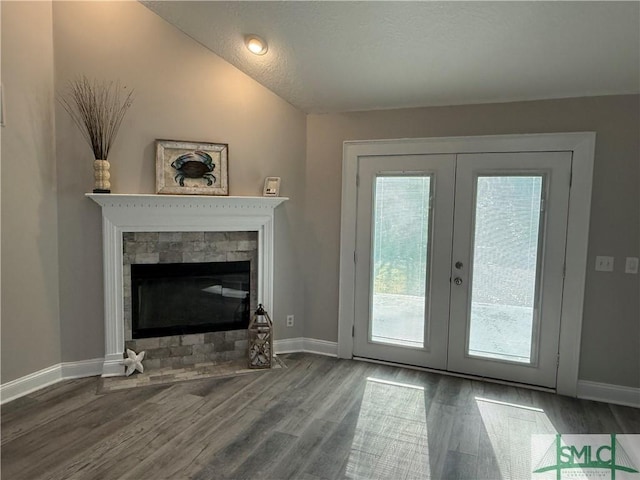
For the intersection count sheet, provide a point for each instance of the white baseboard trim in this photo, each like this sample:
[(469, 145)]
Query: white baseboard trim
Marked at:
[(48, 376), (321, 347), (302, 344), (605, 392), (81, 369), (288, 345), (30, 383)]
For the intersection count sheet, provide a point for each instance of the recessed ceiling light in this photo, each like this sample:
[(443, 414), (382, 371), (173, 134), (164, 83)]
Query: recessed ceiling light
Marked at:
[(256, 44)]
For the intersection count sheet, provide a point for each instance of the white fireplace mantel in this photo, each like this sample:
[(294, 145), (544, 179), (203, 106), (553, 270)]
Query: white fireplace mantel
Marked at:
[(175, 213)]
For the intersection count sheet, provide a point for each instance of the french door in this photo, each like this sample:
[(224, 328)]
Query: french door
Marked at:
[(460, 262)]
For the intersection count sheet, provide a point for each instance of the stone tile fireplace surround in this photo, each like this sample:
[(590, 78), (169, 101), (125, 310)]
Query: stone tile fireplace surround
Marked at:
[(200, 229), (176, 351)]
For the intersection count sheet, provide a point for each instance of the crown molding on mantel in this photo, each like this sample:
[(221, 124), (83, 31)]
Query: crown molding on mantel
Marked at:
[(124, 200)]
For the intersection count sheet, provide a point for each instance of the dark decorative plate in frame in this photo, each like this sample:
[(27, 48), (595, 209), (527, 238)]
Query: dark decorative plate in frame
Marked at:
[(192, 168)]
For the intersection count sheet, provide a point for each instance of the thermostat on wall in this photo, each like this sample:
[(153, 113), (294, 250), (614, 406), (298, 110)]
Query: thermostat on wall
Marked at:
[(271, 187)]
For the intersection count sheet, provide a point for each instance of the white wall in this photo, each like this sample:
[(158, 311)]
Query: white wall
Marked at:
[(30, 316)]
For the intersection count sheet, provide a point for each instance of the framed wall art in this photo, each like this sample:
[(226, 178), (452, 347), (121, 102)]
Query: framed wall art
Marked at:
[(192, 168), (271, 187)]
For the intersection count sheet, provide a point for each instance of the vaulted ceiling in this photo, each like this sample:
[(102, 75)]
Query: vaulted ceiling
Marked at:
[(327, 56)]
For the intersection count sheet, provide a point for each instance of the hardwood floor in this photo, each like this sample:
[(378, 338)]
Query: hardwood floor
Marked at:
[(320, 418)]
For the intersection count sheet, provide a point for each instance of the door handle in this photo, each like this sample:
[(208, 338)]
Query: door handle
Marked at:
[(457, 281)]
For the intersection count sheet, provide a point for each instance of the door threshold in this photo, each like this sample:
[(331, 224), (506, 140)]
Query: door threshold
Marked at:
[(459, 375)]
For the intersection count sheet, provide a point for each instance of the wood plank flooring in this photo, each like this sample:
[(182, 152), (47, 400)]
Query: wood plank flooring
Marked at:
[(320, 418)]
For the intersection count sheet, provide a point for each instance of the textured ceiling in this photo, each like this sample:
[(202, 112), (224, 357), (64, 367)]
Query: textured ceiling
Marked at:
[(345, 56)]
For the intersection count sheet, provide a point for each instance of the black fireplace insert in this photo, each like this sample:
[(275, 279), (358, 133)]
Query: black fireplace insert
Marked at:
[(185, 298)]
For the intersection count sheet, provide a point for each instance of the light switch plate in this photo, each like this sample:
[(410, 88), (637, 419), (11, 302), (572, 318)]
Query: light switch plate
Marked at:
[(631, 265), (604, 264)]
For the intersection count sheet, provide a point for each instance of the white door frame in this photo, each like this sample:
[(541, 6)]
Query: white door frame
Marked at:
[(582, 146)]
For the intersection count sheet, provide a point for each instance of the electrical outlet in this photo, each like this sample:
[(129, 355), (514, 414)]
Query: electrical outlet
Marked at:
[(290, 320), (631, 265), (604, 264)]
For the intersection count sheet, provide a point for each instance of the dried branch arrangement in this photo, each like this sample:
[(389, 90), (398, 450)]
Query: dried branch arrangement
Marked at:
[(97, 108)]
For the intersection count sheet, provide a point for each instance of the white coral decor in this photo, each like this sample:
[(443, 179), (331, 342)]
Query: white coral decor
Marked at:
[(134, 362)]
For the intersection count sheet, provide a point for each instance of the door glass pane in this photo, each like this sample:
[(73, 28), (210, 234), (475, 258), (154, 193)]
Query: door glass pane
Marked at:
[(400, 246), (505, 259)]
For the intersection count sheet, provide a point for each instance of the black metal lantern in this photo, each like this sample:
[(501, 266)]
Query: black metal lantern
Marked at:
[(260, 339)]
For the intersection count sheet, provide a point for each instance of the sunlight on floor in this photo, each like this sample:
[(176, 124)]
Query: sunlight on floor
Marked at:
[(390, 440), (510, 427)]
